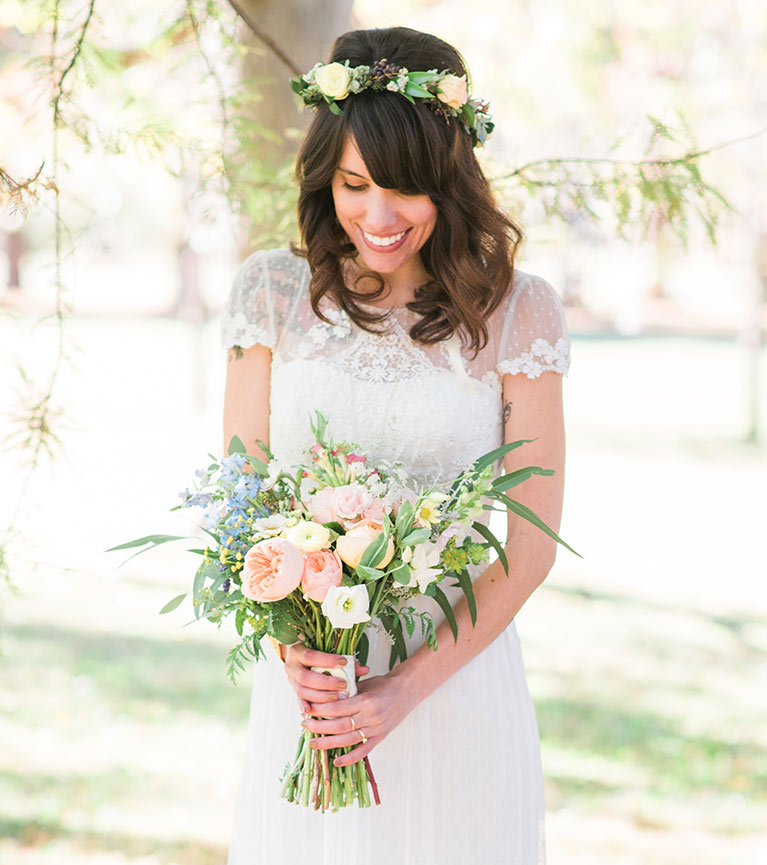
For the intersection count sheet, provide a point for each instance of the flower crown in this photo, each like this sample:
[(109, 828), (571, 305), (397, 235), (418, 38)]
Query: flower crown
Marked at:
[(445, 93)]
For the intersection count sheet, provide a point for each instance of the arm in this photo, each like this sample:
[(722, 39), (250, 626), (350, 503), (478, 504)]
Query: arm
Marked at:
[(246, 414), (532, 409)]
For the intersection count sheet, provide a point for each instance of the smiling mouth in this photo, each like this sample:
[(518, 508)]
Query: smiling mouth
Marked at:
[(384, 242)]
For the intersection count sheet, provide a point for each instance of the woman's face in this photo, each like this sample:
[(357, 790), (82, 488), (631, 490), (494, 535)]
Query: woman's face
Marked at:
[(387, 227)]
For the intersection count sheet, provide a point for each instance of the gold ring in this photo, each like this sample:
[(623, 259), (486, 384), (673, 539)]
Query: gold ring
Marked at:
[(354, 726), (363, 737)]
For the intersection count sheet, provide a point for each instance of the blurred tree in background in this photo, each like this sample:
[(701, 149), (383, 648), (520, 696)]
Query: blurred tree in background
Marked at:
[(165, 133)]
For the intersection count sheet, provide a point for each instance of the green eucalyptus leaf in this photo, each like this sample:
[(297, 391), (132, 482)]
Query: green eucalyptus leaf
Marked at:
[(494, 542), (151, 540), (173, 603), (525, 512), (512, 479), (417, 536), (413, 89), (401, 574), (464, 581), (489, 458), (368, 573), (258, 466), (441, 598), (236, 446), (405, 517)]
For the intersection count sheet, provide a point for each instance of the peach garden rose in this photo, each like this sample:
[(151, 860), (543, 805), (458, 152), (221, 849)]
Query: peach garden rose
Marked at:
[(272, 569), (452, 91), (322, 569), (353, 544)]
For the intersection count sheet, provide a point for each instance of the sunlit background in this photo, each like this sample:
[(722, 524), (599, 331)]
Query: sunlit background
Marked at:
[(121, 738)]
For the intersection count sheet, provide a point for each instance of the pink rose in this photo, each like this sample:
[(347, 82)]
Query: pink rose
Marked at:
[(353, 544), (345, 504), (322, 569), (272, 569), (452, 91)]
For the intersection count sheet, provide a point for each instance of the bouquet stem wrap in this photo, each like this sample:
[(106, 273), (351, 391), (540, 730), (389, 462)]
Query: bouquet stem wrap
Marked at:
[(314, 781)]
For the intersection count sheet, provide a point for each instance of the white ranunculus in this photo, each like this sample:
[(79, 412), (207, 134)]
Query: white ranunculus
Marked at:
[(308, 536), (270, 526), (333, 80), (424, 565), (346, 606)]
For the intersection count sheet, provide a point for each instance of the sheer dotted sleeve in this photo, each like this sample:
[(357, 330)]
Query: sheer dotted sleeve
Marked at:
[(534, 336)]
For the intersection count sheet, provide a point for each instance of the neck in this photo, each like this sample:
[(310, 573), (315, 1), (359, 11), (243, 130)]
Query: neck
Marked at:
[(399, 287)]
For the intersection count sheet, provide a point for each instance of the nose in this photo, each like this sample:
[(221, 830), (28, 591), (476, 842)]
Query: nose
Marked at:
[(381, 212)]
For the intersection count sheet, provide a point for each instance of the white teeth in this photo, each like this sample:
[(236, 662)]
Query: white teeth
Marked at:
[(383, 241)]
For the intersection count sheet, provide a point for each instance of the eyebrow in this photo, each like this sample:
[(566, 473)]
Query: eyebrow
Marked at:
[(346, 171)]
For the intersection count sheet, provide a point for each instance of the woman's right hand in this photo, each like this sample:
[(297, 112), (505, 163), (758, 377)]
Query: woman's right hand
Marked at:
[(311, 687)]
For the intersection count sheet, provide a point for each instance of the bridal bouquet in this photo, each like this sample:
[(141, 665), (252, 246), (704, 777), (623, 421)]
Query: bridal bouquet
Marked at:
[(320, 551)]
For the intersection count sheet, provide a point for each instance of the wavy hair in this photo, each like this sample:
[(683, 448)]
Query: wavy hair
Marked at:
[(470, 254)]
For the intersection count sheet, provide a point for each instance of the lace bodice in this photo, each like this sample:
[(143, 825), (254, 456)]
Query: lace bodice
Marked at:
[(434, 408)]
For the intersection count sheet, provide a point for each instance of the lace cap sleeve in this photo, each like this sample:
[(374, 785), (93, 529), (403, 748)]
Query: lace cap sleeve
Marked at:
[(534, 336)]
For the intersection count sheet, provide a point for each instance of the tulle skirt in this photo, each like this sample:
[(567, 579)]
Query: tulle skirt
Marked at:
[(460, 779)]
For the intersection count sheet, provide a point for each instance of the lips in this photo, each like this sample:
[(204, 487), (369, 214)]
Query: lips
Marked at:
[(385, 242)]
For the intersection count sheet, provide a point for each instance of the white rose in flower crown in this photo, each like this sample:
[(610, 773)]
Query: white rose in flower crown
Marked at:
[(308, 536), (334, 80), (452, 91), (346, 606)]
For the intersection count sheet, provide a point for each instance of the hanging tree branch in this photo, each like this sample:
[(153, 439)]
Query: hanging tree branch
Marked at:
[(264, 37)]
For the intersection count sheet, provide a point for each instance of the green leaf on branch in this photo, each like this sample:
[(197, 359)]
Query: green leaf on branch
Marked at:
[(368, 573), (512, 479), (173, 603), (401, 574), (236, 446), (150, 540), (525, 512), (492, 456), (441, 598), (467, 587), (494, 543), (281, 626), (417, 536), (404, 522)]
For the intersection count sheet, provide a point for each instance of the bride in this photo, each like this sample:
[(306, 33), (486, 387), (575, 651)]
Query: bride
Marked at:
[(403, 320)]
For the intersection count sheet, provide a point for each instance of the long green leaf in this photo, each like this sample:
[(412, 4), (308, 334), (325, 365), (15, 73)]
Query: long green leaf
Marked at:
[(494, 543), (152, 540), (173, 603), (525, 512), (258, 466), (511, 479), (489, 458), (375, 550), (404, 520), (412, 89), (464, 581), (441, 598)]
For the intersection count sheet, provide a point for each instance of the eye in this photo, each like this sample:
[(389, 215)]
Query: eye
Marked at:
[(353, 188)]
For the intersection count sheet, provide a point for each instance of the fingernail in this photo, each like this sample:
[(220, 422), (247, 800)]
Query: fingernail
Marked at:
[(342, 662), (337, 761)]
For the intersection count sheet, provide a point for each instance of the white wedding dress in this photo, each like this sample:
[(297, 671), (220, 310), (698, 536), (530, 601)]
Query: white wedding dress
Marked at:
[(460, 779)]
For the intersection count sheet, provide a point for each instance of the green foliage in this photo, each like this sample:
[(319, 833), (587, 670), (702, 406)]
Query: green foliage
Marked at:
[(625, 194)]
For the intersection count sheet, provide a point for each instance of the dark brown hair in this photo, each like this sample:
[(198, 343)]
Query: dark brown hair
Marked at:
[(469, 255)]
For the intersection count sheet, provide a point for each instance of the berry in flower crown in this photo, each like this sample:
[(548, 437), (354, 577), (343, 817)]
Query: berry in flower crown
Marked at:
[(444, 92)]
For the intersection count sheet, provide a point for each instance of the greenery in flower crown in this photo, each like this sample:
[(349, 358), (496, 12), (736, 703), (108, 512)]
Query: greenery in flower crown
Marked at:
[(445, 92)]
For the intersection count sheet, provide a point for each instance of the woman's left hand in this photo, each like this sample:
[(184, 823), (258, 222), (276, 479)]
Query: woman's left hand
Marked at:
[(380, 705)]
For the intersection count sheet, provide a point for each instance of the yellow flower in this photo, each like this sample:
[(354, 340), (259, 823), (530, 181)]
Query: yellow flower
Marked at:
[(333, 80)]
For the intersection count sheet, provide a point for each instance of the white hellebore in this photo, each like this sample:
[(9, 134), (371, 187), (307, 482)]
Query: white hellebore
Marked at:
[(274, 469), (346, 605), (334, 80), (308, 536), (424, 565), (270, 526)]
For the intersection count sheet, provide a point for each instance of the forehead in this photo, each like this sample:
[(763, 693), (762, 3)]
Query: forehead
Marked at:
[(351, 159)]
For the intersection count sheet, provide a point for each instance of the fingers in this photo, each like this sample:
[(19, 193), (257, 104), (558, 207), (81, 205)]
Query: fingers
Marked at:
[(326, 727), (361, 669), (315, 658), (355, 755)]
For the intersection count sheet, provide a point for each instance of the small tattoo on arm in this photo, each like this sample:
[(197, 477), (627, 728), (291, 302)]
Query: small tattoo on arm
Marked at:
[(235, 353), (506, 411)]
